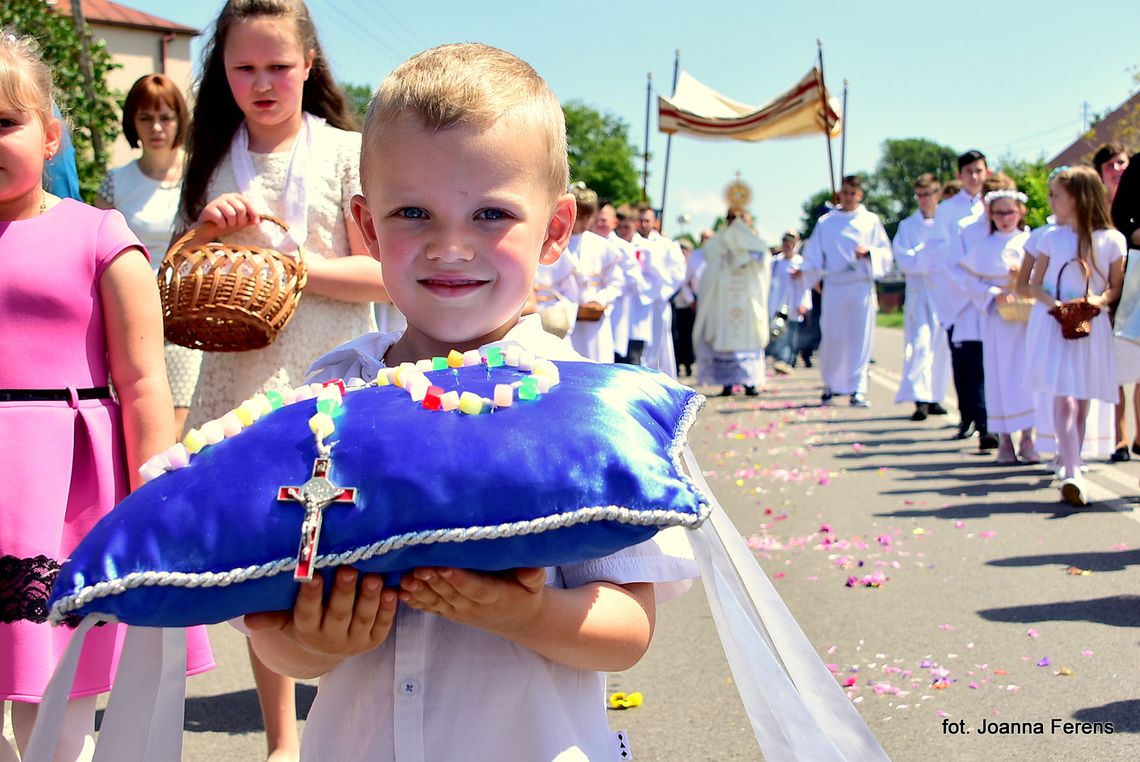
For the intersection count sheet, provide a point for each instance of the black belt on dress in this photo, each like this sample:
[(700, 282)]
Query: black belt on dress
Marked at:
[(63, 395)]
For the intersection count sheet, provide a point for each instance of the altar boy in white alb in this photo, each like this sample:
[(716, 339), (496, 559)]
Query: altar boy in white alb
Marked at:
[(665, 270), (847, 250), (599, 281), (918, 248)]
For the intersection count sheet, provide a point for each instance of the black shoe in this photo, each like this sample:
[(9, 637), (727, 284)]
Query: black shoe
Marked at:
[(935, 409), (920, 411), (825, 398), (965, 431), (1120, 455), (988, 441), (807, 364), (1135, 449), (751, 391), (726, 391)]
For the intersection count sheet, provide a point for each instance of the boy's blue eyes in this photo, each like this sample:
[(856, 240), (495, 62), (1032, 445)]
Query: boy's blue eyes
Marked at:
[(415, 213)]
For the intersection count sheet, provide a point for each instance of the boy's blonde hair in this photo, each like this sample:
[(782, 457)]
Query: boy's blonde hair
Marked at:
[(25, 80), (468, 84)]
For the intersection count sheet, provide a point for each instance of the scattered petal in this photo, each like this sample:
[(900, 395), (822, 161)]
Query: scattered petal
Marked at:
[(1044, 661), (1064, 672), (621, 700), (1033, 633), (1086, 652), (1077, 572)]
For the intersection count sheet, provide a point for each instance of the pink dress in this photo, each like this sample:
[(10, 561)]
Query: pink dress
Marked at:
[(62, 463)]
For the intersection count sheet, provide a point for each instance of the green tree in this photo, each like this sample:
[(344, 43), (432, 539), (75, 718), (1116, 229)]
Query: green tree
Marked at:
[(892, 184), (1032, 178), (359, 96), (813, 209), (600, 153), (59, 46)]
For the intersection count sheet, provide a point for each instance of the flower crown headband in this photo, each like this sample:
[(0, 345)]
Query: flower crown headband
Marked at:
[(998, 195)]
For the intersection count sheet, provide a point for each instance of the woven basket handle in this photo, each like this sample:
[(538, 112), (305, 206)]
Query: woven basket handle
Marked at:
[(1061, 271), (208, 232)]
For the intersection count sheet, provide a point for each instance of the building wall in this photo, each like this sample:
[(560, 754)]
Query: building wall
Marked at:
[(139, 52)]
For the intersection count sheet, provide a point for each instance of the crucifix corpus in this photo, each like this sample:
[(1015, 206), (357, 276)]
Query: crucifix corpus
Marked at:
[(316, 494)]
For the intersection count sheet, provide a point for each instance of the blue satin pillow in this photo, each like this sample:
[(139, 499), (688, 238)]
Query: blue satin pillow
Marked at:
[(588, 468)]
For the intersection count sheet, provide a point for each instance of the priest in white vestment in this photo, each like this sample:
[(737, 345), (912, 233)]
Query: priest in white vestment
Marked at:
[(731, 330), (918, 247), (848, 250)]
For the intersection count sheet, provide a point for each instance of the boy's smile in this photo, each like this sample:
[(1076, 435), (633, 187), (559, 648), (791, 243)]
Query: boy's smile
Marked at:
[(459, 219)]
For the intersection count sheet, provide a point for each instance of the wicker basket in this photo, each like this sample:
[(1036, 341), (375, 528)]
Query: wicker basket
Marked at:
[(1016, 311), (223, 297)]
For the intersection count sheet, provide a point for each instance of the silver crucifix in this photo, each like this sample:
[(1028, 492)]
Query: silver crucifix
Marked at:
[(316, 494)]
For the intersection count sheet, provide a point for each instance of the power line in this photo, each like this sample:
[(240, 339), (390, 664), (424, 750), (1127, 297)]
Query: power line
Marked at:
[(353, 26), (418, 42), (1033, 136)]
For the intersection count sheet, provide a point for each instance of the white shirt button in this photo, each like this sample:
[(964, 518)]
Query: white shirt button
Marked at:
[(409, 688)]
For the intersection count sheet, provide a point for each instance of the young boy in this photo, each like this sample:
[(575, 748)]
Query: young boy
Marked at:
[(918, 244), (464, 174)]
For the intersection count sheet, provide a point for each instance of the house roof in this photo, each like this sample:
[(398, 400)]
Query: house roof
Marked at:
[(114, 14), (1120, 126)]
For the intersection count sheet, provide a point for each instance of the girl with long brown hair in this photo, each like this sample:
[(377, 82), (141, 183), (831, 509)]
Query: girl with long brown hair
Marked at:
[(1081, 258), (272, 134)]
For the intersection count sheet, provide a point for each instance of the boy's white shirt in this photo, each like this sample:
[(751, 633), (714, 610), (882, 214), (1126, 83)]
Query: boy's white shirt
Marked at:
[(440, 690)]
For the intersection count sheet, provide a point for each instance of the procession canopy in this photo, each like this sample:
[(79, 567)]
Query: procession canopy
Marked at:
[(696, 109)]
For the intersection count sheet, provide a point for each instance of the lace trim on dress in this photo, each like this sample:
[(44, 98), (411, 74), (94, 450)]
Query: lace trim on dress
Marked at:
[(25, 586)]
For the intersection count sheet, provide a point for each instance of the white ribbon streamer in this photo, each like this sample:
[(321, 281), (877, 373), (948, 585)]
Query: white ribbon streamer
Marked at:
[(144, 715), (49, 716), (797, 710)]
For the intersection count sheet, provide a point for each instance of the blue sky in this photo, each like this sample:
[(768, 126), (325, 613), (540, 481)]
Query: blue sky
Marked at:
[(1011, 79)]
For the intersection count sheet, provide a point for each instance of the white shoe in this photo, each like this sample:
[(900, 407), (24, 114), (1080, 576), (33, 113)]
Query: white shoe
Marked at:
[(1073, 492)]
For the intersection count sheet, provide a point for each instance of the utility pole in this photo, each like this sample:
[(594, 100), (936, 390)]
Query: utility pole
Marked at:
[(80, 23), (1085, 115)]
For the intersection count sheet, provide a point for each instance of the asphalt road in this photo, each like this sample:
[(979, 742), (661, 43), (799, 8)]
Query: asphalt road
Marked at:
[(999, 605)]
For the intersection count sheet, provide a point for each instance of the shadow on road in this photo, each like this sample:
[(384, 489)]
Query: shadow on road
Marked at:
[(1097, 562), (981, 510), (233, 713), (1124, 715), (1114, 610)]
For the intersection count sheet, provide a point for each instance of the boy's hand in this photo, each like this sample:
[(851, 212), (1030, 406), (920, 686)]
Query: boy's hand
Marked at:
[(229, 211), (501, 604), (350, 623)]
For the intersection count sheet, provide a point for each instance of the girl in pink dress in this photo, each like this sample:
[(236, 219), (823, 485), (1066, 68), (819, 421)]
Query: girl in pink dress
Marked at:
[(78, 307)]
